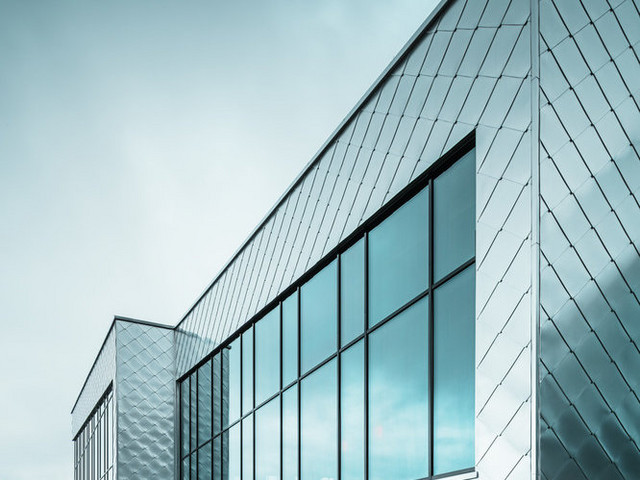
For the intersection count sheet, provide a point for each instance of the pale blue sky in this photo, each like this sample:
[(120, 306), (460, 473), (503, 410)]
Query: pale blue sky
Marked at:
[(140, 143)]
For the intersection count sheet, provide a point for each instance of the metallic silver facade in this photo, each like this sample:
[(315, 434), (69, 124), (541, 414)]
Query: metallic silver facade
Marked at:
[(145, 399), (590, 236), (550, 88)]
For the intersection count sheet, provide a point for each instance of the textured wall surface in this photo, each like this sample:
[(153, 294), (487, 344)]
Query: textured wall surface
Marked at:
[(145, 401), (590, 239), (99, 378), (468, 69)]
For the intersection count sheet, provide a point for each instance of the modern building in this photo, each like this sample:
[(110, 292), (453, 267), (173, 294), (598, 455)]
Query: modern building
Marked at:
[(450, 288)]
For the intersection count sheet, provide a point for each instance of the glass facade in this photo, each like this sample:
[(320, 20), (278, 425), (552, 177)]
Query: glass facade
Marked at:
[(363, 371), (94, 446)]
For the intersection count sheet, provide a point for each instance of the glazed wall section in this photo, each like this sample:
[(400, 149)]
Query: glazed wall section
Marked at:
[(590, 239), (468, 70), (145, 400)]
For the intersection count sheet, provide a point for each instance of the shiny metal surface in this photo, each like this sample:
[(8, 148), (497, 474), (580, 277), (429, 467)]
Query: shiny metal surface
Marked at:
[(145, 400), (590, 274)]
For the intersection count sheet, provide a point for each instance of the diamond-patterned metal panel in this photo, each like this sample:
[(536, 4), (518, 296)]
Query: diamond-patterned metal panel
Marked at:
[(590, 239), (145, 398), (101, 375), (467, 69)]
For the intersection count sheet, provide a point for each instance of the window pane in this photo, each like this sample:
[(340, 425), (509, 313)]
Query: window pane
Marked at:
[(185, 468), (217, 457), (454, 216), (194, 465), (247, 371), (290, 434), (193, 402), (290, 339), (231, 381), (204, 403), (352, 412), (221, 404), (231, 440), (247, 448), (267, 355), (184, 393), (352, 292), (268, 441), (398, 397), (399, 258), (454, 373), (204, 463), (319, 322), (319, 430)]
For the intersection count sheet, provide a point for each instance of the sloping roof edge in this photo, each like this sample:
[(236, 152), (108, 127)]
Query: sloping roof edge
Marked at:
[(433, 16)]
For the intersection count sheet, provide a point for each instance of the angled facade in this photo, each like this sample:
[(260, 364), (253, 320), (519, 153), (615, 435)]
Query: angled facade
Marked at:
[(449, 289)]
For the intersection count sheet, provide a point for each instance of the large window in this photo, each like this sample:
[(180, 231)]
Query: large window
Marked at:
[(94, 445), (365, 370)]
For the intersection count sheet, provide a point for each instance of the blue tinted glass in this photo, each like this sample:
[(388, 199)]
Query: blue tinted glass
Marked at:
[(454, 216), (185, 468), (352, 413), (352, 293), (231, 447), (231, 381), (184, 399), (247, 448), (220, 404), (290, 339), (268, 441), (204, 462), (194, 465), (290, 434), (216, 444), (204, 403), (319, 424), (319, 312), (267, 355), (454, 373), (194, 412), (399, 258), (398, 397), (247, 371)]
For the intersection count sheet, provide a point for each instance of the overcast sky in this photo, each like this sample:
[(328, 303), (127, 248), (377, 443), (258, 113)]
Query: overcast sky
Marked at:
[(140, 143)]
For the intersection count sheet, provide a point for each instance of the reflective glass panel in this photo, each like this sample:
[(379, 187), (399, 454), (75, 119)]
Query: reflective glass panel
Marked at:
[(204, 462), (399, 258), (454, 216), (352, 412), (352, 293), (267, 355), (247, 371), (194, 412), (454, 373), (231, 442), (268, 441), (184, 391), (398, 397), (290, 434), (204, 403), (194, 465), (185, 468), (319, 429), (220, 403), (290, 339), (247, 448), (231, 381), (319, 316), (217, 457)]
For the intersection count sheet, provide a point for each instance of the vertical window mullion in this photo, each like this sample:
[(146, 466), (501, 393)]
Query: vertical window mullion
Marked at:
[(430, 332)]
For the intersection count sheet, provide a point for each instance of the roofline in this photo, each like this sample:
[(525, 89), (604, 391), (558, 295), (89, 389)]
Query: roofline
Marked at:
[(116, 318), (433, 16)]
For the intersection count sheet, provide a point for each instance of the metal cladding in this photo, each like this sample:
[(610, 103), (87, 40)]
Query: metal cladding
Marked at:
[(590, 235), (145, 401), (550, 91)]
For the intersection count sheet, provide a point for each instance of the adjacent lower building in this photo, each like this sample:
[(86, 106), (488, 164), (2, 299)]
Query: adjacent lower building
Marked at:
[(450, 288)]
